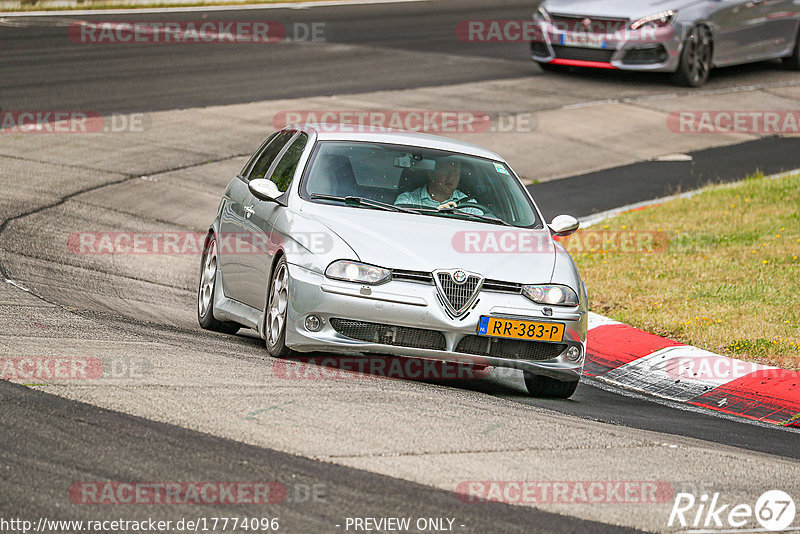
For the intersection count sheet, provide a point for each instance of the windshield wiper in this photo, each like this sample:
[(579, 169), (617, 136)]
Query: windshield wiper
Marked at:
[(361, 201), (457, 211)]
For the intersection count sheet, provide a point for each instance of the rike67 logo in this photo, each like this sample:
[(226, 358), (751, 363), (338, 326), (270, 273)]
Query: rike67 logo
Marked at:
[(774, 510)]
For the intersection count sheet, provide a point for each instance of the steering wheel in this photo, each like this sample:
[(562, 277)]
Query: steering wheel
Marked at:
[(465, 203)]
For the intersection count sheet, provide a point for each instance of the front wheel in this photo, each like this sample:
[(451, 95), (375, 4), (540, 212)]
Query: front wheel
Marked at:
[(278, 311), (695, 65), (205, 291), (543, 386)]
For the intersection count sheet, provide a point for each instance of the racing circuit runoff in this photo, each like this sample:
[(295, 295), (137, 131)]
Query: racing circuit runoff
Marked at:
[(398, 266)]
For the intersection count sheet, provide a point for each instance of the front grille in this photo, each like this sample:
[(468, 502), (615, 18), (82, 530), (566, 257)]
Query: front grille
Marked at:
[(597, 25), (412, 276), (513, 349), (502, 287), (398, 336), (459, 295), (427, 278), (583, 54)]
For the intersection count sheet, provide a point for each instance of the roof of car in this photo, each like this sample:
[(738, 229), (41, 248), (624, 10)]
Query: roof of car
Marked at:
[(352, 132)]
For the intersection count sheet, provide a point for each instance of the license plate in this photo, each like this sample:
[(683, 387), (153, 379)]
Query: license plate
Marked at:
[(583, 40), (514, 329)]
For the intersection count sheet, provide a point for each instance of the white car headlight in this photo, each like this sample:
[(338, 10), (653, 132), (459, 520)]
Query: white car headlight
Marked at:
[(353, 271), (555, 295), (541, 14), (657, 20)]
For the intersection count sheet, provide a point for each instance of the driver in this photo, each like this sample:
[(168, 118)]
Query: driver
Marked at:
[(441, 191)]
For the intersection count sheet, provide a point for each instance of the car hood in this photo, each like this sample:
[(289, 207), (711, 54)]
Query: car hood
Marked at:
[(624, 9), (426, 243)]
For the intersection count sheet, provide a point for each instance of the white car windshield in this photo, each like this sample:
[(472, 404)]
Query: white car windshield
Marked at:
[(417, 180)]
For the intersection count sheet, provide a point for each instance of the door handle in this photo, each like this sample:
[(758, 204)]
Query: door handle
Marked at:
[(249, 211)]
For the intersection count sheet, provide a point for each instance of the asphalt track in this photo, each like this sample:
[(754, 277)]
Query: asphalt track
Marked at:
[(43, 448), (365, 48), (48, 442), (608, 189)]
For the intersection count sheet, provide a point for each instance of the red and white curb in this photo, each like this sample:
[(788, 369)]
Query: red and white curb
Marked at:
[(630, 358)]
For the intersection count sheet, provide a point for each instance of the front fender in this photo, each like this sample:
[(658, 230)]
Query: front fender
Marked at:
[(308, 243)]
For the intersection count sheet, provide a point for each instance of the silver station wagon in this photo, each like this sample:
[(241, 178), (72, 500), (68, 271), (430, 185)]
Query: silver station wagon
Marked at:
[(386, 242)]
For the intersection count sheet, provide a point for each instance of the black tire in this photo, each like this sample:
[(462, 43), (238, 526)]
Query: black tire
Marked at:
[(277, 311), (696, 57), (205, 291), (792, 62), (542, 386)]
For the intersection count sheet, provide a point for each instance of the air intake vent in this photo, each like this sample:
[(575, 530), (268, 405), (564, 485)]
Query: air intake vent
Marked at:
[(512, 349), (398, 336)]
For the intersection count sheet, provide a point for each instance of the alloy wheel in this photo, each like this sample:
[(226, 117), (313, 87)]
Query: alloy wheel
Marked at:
[(278, 303), (207, 278), (698, 56)]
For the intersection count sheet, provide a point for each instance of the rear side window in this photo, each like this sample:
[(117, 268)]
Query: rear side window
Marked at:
[(268, 156), (284, 171), (256, 154)]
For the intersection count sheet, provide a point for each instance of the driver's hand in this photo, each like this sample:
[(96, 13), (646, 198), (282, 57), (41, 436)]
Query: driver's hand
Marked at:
[(447, 206)]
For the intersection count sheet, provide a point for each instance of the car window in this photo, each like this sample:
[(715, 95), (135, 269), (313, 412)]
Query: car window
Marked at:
[(284, 171), (256, 154), (373, 167), (402, 175), (268, 156)]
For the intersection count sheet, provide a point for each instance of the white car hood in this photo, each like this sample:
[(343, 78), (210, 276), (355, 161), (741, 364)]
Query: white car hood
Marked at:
[(624, 9), (426, 243)]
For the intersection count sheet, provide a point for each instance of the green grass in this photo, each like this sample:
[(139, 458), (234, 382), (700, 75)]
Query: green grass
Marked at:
[(728, 280)]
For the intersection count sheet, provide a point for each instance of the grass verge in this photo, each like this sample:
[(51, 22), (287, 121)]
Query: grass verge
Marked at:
[(722, 271)]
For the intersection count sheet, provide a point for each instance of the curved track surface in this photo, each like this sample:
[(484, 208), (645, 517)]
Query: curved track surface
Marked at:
[(365, 48)]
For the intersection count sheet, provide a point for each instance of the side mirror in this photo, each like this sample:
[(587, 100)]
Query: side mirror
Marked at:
[(564, 225), (264, 189)]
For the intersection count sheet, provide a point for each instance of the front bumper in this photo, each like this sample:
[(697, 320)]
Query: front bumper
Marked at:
[(653, 50), (416, 305)]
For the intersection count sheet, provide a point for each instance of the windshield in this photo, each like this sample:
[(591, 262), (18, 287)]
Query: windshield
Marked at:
[(417, 180)]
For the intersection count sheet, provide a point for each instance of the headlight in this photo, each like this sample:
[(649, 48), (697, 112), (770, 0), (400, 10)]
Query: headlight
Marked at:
[(353, 271), (551, 294), (659, 20), (541, 14)]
